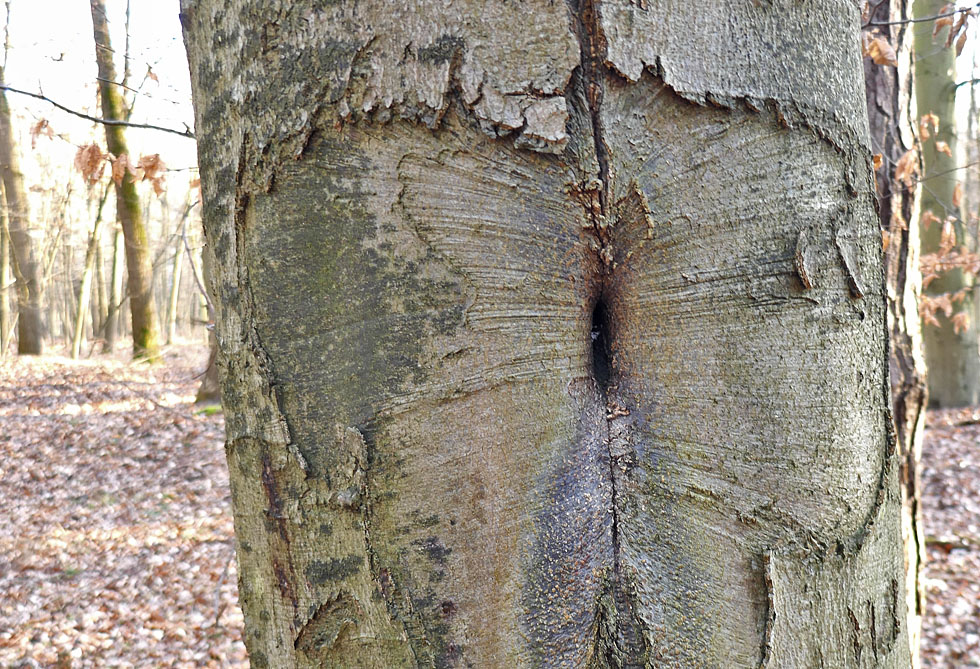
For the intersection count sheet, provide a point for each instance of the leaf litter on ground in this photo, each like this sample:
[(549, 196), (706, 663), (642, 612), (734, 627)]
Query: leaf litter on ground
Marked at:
[(116, 539)]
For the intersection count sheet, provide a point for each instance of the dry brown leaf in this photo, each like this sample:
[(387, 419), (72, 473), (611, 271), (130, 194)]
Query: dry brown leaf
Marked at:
[(882, 53), (90, 161), (961, 321), (907, 168), (877, 160), (152, 169), (42, 127), (955, 30), (957, 194), (121, 165), (886, 238), (150, 74), (943, 147), (925, 122), (866, 38), (960, 42), (943, 21), (927, 218)]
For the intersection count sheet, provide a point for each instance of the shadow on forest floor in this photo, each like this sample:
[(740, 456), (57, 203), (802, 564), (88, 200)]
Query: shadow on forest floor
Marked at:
[(116, 544)]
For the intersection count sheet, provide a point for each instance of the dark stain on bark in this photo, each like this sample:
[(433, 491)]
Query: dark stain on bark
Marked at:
[(442, 50), (321, 572), (274, 513), (433, 549)]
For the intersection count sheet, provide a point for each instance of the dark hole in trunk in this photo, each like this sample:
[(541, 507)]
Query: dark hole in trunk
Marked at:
[(601, 354)]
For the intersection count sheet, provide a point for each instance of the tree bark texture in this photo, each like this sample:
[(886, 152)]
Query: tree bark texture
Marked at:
[(30, 329), (888, 95), (138, 266), (952, 359), (551, 335)]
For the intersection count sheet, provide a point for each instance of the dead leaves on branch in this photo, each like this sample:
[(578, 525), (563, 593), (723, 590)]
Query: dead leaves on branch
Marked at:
[(878, 49), (957, 21), (91, 162)]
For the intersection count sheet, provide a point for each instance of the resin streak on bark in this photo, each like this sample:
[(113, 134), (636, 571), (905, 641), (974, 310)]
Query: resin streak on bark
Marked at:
[(575, 406)]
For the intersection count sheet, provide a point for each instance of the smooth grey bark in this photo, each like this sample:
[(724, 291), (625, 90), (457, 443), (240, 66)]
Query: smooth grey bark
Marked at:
[(888, 92), (550, 335), (952, 358)]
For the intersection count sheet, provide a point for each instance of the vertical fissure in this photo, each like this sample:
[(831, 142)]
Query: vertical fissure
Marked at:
[(621, 642)]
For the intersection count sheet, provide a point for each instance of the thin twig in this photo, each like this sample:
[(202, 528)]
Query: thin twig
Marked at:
[(923, 19), (146, 126)]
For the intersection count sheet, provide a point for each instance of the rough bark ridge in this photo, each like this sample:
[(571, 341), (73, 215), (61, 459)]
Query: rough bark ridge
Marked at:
[(889, 97), (591, 373)]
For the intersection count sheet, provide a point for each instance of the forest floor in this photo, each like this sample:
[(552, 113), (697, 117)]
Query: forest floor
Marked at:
[(116, 539)]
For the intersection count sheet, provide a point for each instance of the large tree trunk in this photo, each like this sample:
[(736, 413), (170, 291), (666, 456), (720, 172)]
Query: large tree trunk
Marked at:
[(591, 371), (952, 358), (888, 96), (30, 332), (138, 267)]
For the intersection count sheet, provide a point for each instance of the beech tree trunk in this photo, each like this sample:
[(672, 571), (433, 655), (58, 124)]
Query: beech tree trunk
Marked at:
[(139, 269), (888, 94), (952, 358), (30, 331), (551, 335)]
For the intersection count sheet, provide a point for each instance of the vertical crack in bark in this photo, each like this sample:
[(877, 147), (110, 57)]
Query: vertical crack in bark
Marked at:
[(620, 638), (596, 192)]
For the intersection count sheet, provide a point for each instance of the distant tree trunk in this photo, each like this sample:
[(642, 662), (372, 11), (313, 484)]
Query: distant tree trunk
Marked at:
[(139, 269), (28, 287), (952, 359), (85, 290), (550, 335), (113, 321), (888, 95), (175, 284), (4, 276), (102, 299)]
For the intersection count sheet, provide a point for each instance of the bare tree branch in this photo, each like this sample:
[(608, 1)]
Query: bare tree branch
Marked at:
[(146, 126), (923, 19)]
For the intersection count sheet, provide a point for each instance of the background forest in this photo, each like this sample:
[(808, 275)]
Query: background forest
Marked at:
[(116, 543)]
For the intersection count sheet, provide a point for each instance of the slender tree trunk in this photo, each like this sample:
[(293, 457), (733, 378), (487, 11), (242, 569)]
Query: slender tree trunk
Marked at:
[(589, 372), (139, 269), (102, 302), (4, 276), (175, 284), (113, 322), (29, 328), (85, 290), (952, 359), (888, 96)]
